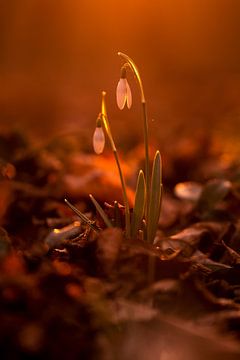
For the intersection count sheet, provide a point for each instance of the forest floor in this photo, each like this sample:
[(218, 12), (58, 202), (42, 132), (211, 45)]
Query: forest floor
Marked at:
[(69, 293)]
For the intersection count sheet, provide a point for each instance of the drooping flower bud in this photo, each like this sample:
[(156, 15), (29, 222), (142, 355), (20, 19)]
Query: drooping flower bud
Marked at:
[(123, 92), (98, 138)]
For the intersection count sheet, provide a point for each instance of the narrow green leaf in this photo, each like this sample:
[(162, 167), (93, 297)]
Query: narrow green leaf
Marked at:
[(101, 211), (139, 204), (155, 198), (82, 216)]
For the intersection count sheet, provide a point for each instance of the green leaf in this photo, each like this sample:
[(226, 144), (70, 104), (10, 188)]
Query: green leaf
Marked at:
[(82, 216), (101, 211), (155, 198), (139, 204)]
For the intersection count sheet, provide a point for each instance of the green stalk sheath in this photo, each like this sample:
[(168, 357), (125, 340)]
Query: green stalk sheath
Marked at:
[(139, 205), (147, 170), (125, 199), (101, 211), (155, 198)]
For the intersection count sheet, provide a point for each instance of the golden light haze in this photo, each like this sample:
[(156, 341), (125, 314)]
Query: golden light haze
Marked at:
[(57, 56)]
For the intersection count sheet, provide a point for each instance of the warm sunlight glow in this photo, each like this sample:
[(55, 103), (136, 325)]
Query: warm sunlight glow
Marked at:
[(56, 56)]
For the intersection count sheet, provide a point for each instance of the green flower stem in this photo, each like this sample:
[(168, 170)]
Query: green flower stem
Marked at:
[(125, 199), (115, 153), (106, 122), (134, 69), (147, 170)]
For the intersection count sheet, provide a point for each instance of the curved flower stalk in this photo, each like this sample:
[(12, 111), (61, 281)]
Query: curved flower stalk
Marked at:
[(130, 63), (134, 69), (105, 123), (153, 184)]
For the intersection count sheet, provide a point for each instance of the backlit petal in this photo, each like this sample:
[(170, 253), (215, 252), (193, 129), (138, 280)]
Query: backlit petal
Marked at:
[(98, 140), (121, 93), (129, 95)]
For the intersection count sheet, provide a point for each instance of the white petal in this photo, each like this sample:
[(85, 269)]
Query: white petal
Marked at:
[(129, 95), (98, 140), (121, 93)]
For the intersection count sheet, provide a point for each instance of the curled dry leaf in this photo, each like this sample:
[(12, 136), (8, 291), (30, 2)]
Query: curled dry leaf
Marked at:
[(56, 237), (231, 255), (189, 190), (185, 241), (7, 170)]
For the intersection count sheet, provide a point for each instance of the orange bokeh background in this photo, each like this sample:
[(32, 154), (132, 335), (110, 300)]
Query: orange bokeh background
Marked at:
[(57, 56)]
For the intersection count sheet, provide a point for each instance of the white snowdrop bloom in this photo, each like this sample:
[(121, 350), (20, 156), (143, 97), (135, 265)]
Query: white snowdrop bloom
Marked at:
[(98, 140), (123, 94), (129, 95)]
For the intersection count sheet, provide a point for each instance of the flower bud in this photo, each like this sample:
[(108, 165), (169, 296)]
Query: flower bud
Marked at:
[(98, 140), (123, 94)]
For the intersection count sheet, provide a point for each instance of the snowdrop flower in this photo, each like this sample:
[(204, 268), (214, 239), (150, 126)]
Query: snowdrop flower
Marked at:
[(98, 137), (123, 93)]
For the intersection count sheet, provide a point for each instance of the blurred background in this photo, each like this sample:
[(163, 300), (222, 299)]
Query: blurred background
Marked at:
[(57, 56)]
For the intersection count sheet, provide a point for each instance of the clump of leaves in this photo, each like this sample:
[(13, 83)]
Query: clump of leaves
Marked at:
[(142, 222)]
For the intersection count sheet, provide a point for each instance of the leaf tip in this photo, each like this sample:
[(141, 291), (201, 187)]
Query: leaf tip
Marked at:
[(157, 155)]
